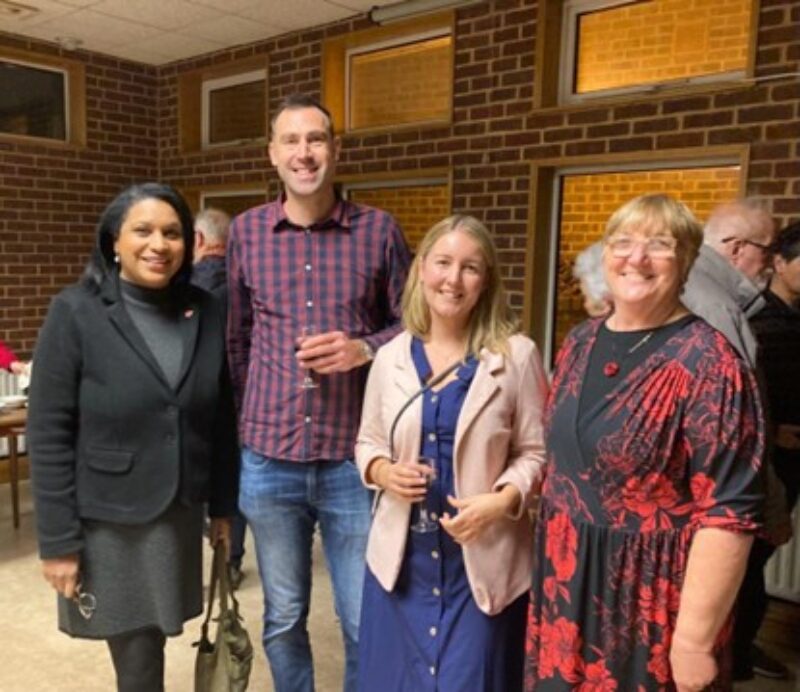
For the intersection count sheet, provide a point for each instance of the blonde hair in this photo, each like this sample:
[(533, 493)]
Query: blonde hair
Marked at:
[(492, 322), (664, 213)]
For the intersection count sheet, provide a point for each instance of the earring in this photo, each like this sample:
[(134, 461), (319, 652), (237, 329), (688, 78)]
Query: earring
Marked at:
[(116, 259)]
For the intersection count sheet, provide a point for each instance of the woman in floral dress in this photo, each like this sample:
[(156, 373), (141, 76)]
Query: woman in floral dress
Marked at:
[(654, 435)]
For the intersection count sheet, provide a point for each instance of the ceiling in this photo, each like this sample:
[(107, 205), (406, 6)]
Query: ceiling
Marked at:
[(160, 31)]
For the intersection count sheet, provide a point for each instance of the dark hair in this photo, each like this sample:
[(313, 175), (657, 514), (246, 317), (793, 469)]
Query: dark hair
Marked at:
[(296, 102), (787, 242), (101, 264)]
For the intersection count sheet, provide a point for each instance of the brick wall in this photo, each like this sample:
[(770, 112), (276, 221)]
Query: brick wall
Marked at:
[(51, 195), (490, 146)]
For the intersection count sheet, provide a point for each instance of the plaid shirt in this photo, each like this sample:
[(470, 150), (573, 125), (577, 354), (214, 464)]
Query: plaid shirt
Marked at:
[(345, 273)]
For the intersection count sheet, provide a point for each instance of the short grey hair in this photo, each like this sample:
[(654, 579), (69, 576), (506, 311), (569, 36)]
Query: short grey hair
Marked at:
[(213, 223), (588, 268)]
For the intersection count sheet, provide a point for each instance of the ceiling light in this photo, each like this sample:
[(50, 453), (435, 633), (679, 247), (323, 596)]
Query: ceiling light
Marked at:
[(414, 8)]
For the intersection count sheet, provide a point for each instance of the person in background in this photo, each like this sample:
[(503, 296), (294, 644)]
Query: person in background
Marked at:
[(131, 429), (777, 330), (724, 288), (654, 438), (209, 273), (445, 609), (315, 283), (10, 362), (588, 270)]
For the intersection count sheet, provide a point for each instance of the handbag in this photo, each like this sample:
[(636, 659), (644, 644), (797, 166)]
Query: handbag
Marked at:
[(224, 665)]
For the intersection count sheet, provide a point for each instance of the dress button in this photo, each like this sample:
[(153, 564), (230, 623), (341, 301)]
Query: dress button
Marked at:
[(434, 399), (434, 516), (435, 554), (432, 631), (432, 670), (436, 591), (432, 437)]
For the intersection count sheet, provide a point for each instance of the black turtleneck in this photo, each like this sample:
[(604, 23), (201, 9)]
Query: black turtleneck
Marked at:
[(156, 316)]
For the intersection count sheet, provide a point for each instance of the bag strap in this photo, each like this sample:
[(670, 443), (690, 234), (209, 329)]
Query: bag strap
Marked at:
[(219, 574)]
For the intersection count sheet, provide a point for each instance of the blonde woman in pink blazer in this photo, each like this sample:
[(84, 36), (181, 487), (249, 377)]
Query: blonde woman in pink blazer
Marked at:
[(449, 553)]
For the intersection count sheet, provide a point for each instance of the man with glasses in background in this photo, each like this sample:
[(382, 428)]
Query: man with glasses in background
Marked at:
[(724, 288)]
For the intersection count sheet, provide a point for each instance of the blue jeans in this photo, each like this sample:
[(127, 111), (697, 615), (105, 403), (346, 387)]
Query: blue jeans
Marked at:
[(282, 502)]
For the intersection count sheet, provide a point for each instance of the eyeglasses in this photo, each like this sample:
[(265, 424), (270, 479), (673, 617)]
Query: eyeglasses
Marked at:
[(657, 247), (760, 246), (86, 602)]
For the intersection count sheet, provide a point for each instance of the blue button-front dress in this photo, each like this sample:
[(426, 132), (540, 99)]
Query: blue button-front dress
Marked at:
[(428, 634)]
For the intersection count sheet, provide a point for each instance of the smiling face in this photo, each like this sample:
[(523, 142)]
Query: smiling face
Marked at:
[(649, 278), (453, 276), (150, 244), (304, 152)]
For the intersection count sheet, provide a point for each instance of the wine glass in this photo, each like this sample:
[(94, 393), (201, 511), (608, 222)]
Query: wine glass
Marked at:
[(424, 523), (308, 380)]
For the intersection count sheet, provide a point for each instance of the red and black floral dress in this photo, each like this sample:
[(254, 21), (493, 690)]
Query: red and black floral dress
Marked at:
[(673, 445)]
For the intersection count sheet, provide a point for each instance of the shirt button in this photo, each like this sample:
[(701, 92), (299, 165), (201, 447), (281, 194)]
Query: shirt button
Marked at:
[(307, 230), (432, 670), (432, 437), (308, 419), (309, 303), (435, 554), (308, 267), (432, 631), (436, 591)]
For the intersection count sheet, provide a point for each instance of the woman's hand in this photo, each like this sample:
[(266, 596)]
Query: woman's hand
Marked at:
[(692, 671), (62, 573), (405, 481), (478, 512), (220, 530)]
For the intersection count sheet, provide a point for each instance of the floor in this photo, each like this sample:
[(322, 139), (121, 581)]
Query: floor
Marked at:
[(35, 657)]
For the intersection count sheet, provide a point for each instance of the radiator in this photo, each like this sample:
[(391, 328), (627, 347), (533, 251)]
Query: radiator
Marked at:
[(9, 384), (783, 570)]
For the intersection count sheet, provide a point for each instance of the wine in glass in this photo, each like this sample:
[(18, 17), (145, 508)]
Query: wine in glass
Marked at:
[(424, 523), (308, 380)]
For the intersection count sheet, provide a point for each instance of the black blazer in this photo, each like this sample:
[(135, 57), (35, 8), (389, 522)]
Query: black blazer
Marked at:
[(109, 438)]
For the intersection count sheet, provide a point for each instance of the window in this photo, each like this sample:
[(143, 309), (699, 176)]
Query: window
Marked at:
[(572, 205), (234, 108), (607, 48), (416, 202), (41, 97), (224, 105), (391, 76), (403, 81), (232, 202)]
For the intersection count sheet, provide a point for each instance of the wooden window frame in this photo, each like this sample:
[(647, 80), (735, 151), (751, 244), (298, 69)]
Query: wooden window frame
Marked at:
[(74, 96), (543, 223), (208, 86), (195, 196), (335, 52)]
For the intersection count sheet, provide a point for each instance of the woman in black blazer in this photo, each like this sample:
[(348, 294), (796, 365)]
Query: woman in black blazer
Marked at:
[(131, 429)]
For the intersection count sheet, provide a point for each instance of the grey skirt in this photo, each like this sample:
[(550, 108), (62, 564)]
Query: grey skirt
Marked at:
[(142, 576)]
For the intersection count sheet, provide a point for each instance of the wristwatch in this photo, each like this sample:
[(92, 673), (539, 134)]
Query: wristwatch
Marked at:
[(366, 350)]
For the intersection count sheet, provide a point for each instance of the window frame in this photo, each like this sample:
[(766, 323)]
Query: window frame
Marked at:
[(208, 86), (74, 95)]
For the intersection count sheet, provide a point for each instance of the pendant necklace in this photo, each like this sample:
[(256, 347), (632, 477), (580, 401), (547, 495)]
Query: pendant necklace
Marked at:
[(612, 367)]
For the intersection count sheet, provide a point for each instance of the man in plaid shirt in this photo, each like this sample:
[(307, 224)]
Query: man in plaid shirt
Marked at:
[(315, 284)]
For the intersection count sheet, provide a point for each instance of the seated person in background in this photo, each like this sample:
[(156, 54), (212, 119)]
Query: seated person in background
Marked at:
[(588, 269)]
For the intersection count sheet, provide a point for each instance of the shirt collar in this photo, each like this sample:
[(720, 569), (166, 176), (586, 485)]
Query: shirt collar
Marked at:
[(339, 216)]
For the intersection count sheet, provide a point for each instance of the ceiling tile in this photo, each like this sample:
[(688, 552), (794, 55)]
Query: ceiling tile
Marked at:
[(230, 30), (173, 46), (163, 14), (47, 10), (360, 5), (94, 29), (295, 14), (233, 6)]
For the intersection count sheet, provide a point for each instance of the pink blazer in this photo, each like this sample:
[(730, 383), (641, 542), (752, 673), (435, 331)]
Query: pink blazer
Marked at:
[(498, 441)]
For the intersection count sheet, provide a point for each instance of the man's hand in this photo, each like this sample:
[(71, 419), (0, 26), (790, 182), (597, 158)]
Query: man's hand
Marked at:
[(62, 573), (330, 352)]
